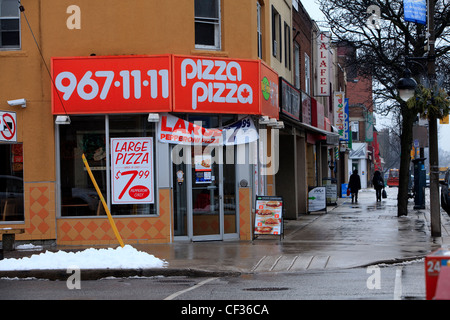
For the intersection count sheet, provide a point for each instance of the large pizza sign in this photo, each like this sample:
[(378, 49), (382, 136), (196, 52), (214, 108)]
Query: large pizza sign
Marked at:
[(111, 84), (132, 170)]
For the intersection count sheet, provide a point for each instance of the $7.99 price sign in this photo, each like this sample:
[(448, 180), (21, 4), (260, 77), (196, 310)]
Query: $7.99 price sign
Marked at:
[(132, 170)]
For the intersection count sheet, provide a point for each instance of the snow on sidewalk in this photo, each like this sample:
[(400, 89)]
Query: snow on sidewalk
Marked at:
[(119, 258)]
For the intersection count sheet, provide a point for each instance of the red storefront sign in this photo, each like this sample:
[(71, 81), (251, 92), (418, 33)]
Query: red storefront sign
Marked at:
[(111, 84), (212, 85), (163, 83)]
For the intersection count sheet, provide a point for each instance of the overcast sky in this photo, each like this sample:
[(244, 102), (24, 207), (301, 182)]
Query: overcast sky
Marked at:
[(312, 7)]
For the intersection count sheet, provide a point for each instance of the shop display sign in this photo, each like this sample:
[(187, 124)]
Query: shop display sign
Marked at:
[(323, 67), (203, 172), (132, 170), (175, 130), (306, 108), (290, 100), (317, 200), (269, 215), (341, 116), (111, 84), (239, 132), (213, 85)]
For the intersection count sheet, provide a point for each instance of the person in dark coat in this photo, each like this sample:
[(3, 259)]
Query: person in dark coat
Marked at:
[(378, 184), (355, 185)]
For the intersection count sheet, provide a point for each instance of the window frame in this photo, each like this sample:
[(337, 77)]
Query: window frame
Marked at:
[(277, 49), (307, 74), (19, 31), (9, 180), (259, 29), (287, 46), (108, 187), (217, 22)]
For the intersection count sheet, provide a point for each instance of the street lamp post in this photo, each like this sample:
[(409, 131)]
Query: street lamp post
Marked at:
[(435, 214)]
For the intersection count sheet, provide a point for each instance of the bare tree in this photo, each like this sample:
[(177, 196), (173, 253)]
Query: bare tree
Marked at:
[(383, 42)]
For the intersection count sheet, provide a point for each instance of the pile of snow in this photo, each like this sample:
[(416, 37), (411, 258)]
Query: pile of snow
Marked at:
[(29, 247), (119, 258)]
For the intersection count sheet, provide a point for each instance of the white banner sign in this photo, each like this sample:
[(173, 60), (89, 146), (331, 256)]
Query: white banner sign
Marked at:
[(323, 68), (174, 130), (132, 170), (317, 200)]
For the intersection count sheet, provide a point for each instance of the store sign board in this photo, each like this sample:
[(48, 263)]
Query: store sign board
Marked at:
[(340, 116), (317, 200), (163, 83), (132, 170), (175, 130), (269, 92), (290, 100), (216, 85), (323, 67), (306, 108), (111, 84), (269, 214)]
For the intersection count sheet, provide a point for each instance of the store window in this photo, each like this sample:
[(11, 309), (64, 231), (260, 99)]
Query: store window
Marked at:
[(9, 24), (276, 34), (11, 183), (88, 135), (207, 24), (259, 29)]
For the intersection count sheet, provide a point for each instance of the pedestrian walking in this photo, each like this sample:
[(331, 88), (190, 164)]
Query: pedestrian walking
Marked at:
[(378, 184), (354, 184)]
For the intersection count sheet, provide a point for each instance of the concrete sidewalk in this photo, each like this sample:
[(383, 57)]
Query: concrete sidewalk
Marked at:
[(348, 235)]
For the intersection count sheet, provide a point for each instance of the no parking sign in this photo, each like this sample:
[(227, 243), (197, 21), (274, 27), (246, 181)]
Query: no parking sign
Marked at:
[(8, 126)]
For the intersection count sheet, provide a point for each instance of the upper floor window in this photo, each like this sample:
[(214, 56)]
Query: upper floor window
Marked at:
[(259, 32), (287, 46), (9, 24), (276, 34), (307, 74), (207, 24)]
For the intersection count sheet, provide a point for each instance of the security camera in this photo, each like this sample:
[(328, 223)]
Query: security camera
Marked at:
[(18, 102), (62, 120)]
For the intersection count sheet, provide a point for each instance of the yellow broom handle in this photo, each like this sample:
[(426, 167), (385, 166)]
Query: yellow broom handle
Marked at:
[(111, 221)]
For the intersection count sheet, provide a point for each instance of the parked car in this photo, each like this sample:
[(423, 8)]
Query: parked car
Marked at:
[(445, 193)]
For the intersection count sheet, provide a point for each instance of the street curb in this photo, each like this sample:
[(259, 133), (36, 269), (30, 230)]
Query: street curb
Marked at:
[(96, 274), (391, 261)]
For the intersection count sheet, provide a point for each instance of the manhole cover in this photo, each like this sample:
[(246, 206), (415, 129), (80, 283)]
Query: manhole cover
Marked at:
[(267, 289)]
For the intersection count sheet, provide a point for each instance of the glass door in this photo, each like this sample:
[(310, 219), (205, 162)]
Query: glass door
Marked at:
[(207, 194), (181, 217)]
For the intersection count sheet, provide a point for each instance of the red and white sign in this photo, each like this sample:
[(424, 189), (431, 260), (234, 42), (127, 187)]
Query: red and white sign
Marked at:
[(111, 84), (8, 126), (172, 129), (339, 111), (323, 67), (163, 83), (213, 85), (132, 170)]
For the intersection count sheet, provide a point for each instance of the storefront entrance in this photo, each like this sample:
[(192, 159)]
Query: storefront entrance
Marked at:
[(204, 193)]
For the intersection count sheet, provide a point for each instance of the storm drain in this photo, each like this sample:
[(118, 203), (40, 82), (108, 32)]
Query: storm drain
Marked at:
[(267, 289)]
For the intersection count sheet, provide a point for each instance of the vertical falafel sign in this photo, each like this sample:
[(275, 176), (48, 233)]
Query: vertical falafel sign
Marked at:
[(132, 170), (269, 215)]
